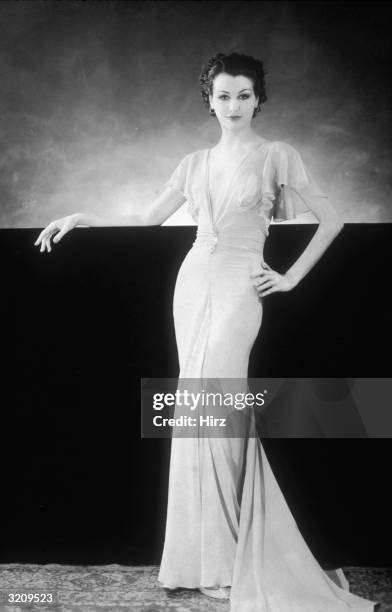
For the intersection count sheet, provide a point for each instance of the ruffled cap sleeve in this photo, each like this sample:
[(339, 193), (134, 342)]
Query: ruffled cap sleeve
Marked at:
[(293, 183), (180, 180)]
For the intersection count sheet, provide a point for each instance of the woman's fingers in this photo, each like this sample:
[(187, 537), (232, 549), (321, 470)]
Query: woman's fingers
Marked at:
[(268, 281), (268, 291), (60, 234), (263, 277), (264, 287), (263, 282), (47, 243), (41, 236), (262, 274), (47, 233), (44, 244), (265, 265), (262, 271)]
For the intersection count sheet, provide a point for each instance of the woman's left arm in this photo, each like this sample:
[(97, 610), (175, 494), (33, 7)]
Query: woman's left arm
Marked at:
[(269, 281)]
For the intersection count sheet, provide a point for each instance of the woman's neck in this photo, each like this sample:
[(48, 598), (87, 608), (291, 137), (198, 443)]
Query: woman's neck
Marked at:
[(237, 141)]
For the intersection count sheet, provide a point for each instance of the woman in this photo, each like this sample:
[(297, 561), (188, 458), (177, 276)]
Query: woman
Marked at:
[(229, 531)]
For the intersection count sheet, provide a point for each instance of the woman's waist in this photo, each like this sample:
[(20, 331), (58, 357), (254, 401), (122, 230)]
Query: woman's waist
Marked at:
[(242, 238)]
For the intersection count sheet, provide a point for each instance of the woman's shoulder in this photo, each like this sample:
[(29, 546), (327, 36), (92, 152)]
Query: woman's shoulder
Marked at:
[(281, 145), (284, 155), (193, 156)]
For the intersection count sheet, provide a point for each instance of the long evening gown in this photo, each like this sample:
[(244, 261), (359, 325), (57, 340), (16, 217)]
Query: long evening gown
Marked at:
[(228, 523)]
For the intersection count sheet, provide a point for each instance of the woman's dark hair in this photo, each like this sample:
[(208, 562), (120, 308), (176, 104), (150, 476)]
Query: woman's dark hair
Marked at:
[(234, 64)]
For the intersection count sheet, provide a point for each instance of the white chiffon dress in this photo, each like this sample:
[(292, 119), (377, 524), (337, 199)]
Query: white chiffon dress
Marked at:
[(228, 523)]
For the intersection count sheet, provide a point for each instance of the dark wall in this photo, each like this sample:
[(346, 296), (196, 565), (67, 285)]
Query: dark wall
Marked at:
[(83, 324), (99, 100)]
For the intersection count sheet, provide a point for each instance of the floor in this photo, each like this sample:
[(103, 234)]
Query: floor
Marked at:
[(117, 588)]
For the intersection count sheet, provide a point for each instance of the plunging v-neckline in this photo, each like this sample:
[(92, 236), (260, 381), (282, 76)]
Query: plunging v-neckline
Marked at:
[(233, 175)]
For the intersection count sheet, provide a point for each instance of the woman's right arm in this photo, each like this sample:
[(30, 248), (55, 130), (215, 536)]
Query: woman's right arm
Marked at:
[(160, 210)]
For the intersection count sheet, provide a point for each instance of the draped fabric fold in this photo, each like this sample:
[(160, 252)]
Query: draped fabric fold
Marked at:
[(181, 179)]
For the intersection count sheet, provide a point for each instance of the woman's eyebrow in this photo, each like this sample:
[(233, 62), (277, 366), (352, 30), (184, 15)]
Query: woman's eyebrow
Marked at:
[(224, 91)]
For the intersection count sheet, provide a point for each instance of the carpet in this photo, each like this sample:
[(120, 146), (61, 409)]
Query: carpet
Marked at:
[(117, 588)]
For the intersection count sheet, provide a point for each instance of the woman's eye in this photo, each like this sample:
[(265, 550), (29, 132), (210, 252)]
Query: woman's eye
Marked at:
[(244, 96)]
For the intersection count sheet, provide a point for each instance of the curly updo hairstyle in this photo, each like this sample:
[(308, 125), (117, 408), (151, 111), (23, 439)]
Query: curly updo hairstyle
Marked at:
[(234, 64)]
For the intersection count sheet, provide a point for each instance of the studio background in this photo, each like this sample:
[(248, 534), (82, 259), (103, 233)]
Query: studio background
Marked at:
[(99, 102)]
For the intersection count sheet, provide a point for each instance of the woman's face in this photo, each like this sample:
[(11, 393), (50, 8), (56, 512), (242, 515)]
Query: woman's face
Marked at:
[(233, 96)]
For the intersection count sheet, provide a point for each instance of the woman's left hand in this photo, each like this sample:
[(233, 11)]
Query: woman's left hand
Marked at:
[(269, 281)]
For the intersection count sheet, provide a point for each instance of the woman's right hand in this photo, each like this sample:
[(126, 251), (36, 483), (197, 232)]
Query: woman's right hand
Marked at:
[(58, 227)]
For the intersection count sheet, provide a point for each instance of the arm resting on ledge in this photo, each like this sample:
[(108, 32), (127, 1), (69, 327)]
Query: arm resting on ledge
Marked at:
[(160, 210)]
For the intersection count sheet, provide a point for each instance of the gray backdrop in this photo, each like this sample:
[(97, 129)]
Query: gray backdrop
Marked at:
[(100, 100)]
